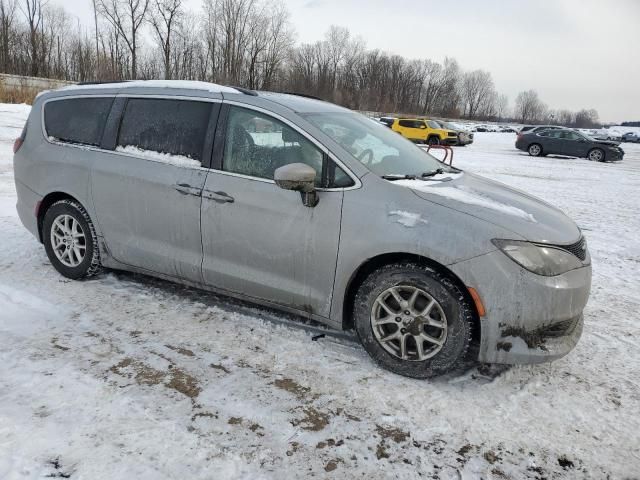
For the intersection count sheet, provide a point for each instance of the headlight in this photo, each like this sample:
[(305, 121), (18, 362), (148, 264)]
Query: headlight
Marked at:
[(540, 259)]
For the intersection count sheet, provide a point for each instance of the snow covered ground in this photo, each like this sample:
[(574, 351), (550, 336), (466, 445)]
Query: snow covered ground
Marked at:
[(124, 376)]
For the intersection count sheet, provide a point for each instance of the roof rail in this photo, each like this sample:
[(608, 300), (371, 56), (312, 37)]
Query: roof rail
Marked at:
[(305, 95), (98, 82), (246, 91)]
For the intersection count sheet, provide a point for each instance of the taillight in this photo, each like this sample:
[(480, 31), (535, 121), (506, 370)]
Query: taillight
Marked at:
[(17, 144)]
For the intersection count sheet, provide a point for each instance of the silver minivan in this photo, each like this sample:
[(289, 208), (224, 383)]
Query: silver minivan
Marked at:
[(301, 205)]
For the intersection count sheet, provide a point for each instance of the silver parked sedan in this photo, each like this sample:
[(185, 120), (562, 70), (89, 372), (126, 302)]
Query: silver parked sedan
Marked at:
[(305, 206)]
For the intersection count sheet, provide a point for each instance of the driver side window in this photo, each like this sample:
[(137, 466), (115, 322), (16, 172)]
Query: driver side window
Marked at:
[(257, 144)]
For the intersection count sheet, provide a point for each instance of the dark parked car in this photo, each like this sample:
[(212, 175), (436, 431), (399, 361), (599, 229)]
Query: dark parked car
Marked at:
[(562, 141), (537, 128)]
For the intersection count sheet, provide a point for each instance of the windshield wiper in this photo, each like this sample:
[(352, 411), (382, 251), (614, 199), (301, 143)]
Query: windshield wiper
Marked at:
[(422, 176), (399, 177), (433, 173)]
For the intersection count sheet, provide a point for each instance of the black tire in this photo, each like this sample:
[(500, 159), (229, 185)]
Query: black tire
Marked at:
[(535, 150), (596, 155), (458, 312), (90, 265), (433, 140)]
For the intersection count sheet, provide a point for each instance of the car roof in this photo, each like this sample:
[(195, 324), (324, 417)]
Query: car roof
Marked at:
[(301, 103), (297, 103)]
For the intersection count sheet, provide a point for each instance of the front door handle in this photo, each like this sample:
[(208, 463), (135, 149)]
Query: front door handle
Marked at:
[(220, 197), (187, 189)]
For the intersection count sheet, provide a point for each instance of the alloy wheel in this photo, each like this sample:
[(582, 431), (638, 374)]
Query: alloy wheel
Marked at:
[(68, 240), (535, 150), (595, 155), (409, 323)]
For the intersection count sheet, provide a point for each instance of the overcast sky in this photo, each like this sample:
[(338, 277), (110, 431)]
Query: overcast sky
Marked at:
[(575, 53)]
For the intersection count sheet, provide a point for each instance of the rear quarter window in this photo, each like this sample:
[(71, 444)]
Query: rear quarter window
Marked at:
[(77, 120), (409, 123)]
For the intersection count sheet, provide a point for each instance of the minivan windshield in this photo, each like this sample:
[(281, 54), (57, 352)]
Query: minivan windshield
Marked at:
[(381, 150)]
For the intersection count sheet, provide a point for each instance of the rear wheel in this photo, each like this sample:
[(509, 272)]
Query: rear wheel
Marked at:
[(596, 155), (412, 320), (70, 240), (535, 150)]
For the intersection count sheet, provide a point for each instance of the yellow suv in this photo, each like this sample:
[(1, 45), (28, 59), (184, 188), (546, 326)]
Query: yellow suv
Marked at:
[(424, 130)]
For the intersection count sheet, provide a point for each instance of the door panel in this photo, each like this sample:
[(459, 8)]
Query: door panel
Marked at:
[(570, 147), (268, 245), (550, 143), (573, 145), (145, 220), (258, 239), (147, 194)]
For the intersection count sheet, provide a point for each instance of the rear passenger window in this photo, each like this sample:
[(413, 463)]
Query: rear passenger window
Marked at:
[(77, 120), (171, 127)]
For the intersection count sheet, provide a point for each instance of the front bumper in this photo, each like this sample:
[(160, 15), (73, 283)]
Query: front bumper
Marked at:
[(529, 318), (613, 155), (465, 139)]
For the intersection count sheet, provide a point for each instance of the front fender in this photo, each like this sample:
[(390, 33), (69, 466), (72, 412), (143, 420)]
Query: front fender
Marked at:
[(383, 218)]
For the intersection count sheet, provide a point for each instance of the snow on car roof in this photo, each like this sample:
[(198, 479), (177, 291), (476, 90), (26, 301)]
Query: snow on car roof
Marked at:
[(182, 84)]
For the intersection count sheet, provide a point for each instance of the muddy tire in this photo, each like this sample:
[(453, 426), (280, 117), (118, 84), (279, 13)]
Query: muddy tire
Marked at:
[(70, 240), (428, 314)]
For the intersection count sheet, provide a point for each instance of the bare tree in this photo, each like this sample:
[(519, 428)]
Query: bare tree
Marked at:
[(32, 11), (586, 118), (95, 23), (449, 95), (337, 40), (565, 117), (279, 42), (502, 106), (165, 18), (126, 18), (476, 88), (528, 106), (7, 17), (248, 43), (256, 45)]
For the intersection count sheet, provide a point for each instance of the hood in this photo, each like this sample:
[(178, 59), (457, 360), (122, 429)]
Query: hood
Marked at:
[(526, 216), (609, 143)]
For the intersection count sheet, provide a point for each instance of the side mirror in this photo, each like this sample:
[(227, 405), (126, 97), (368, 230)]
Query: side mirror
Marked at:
[(423, 126), (298, 177)]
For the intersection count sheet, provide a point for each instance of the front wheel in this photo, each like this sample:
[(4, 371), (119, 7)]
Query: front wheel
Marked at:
[(412, 320), (70, 240), (433, 141), (596, 155)]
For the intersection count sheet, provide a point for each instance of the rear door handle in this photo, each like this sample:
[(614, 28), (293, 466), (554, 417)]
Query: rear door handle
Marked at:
[(187, 189), (220, 197)]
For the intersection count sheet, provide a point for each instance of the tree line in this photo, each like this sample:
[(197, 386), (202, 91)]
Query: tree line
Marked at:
[(249, 43)]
